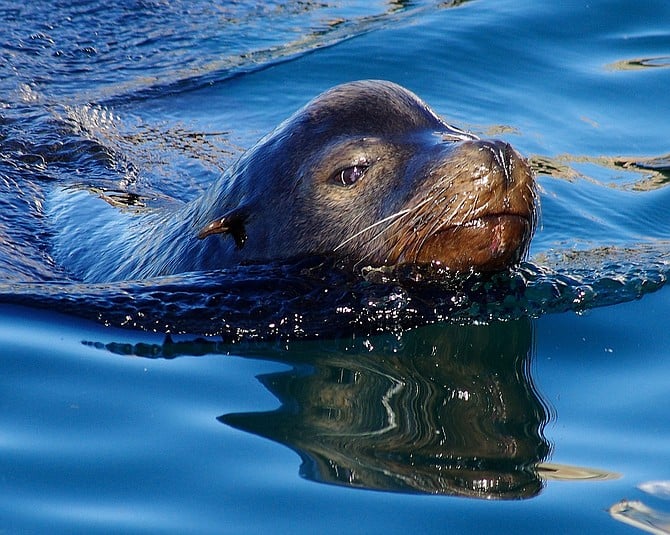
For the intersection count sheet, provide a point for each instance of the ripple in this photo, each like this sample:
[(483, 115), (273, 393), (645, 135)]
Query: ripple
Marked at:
[(120, 53), (317, 298)]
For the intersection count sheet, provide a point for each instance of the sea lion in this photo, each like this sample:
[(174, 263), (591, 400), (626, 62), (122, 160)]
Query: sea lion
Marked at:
[(366, 171)]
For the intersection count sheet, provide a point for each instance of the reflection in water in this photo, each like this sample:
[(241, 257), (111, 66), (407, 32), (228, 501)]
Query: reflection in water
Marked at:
[(563, 472), (633, 173), (640, 63), (445, 409), (452, 411), (637, 514)]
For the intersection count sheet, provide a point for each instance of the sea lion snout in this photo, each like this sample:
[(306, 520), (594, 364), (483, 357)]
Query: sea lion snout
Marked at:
[(487, 214), (474, 208)]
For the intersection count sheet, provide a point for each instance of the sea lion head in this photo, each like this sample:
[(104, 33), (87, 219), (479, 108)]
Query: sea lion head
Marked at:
[(368, 172)]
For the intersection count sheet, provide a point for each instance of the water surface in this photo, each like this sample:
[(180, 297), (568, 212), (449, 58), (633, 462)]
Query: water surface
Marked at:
[(541, 421)]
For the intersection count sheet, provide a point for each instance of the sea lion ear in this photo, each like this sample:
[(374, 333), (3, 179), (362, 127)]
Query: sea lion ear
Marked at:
[(232, 223)]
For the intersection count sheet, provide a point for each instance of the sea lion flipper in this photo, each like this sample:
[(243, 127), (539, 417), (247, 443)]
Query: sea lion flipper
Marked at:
[(231, 223)]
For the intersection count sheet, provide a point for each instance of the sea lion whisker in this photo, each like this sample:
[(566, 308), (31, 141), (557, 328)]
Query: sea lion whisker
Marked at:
[(396, 216), (381, 245), (443, 221), (392, 217), (436, 225)]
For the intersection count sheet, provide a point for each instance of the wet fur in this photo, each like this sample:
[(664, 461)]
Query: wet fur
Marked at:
[(281, 199)]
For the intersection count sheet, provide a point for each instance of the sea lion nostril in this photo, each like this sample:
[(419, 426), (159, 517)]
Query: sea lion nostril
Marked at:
[(499, 149), (503, 157)]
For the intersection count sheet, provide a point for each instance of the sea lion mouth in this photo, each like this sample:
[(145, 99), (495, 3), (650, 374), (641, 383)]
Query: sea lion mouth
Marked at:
[(495, 241), (494, 219)]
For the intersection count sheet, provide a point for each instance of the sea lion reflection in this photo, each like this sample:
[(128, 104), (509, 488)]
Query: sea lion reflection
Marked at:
[(454, 411)]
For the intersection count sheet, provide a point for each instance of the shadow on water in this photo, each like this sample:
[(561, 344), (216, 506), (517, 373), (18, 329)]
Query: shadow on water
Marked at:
[(445, 409)]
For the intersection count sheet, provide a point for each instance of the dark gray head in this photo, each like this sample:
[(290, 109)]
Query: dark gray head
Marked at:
[(368, 172)]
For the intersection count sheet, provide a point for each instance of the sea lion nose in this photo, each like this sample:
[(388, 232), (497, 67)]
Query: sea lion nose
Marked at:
[(501, 150), (502, 156)]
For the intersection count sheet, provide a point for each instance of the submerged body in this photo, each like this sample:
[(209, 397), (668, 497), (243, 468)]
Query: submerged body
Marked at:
[(366, 172)]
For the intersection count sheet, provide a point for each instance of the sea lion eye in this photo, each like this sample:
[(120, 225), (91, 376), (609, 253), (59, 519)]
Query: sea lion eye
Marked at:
[(350, 175)]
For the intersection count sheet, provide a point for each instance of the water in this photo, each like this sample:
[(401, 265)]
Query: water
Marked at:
[(107, 429)]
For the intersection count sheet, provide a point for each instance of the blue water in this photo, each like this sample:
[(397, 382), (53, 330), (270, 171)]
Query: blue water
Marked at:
[(104, 429)]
